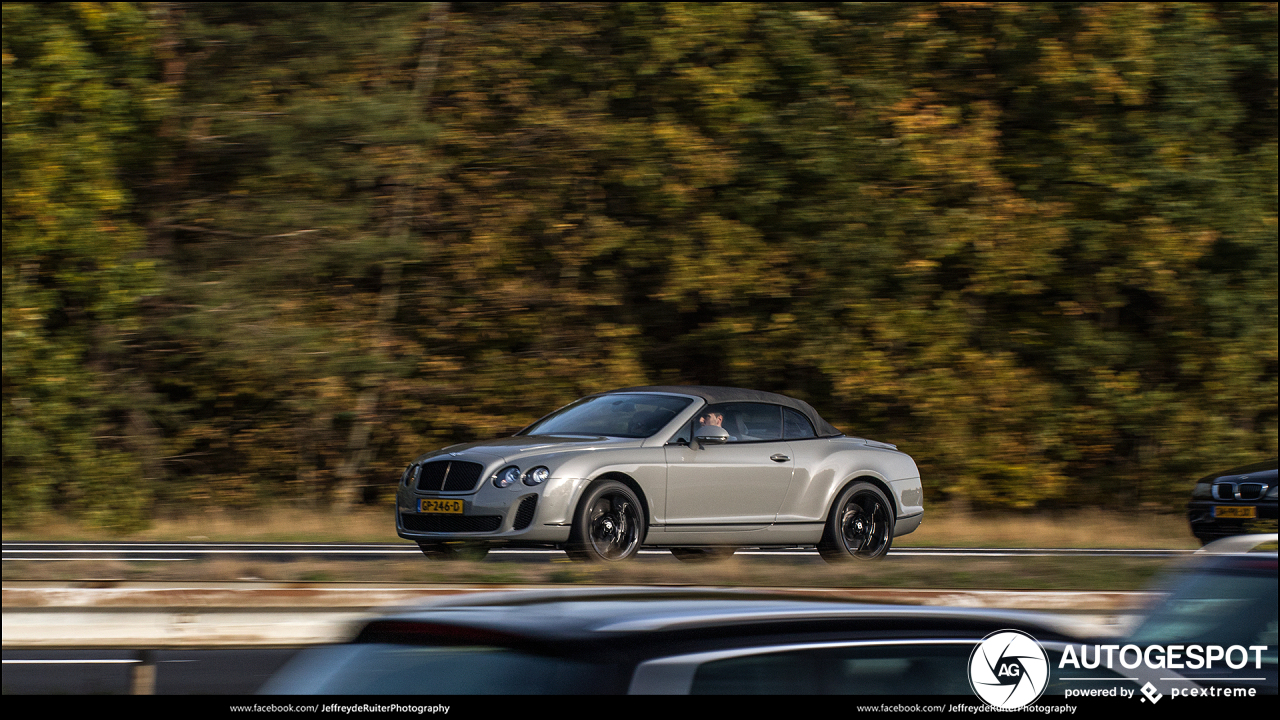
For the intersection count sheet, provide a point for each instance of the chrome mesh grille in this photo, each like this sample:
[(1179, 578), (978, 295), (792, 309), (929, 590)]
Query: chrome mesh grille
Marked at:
[(449, 476), (451, 523)]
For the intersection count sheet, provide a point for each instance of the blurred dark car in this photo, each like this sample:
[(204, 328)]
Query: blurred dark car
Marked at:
[(1239, 501), (1225, 596), (656, 641)]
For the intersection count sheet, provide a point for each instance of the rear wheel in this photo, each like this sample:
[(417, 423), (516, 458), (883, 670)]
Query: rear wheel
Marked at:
[(860, 525), (609, 525), (703, 554), (454, 550)]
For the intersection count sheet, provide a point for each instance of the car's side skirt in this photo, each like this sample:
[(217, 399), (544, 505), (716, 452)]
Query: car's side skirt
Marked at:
[(777, 534)]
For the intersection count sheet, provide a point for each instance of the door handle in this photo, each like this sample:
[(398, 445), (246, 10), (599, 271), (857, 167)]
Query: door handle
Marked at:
[(779, 458)]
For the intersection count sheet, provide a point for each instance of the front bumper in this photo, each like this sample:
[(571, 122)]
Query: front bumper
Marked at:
[(510, 516), (1207, 527)]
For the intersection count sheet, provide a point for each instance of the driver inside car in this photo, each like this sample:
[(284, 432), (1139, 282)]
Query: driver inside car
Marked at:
[(713, 418)]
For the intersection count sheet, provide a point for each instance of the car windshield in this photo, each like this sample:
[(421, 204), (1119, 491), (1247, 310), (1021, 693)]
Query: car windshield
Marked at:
[(392, 669), (627, 416)]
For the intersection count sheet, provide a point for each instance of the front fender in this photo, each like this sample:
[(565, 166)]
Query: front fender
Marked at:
[(644, 468)]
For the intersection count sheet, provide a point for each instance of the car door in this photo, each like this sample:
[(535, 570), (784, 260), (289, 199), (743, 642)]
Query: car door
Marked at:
[(737, 485)]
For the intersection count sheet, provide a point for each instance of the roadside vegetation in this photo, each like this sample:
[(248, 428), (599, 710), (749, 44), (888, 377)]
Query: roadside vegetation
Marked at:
[(260, 255), (943, 527), (1034, 573), (1085, 574)]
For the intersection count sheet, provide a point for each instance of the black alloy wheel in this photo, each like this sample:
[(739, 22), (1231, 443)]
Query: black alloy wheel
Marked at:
[(860, 525), (609, 525)]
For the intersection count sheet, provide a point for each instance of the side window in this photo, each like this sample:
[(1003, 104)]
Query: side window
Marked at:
[(745, 422), (906, 669), (876, 668), (796, 426), (780, 674)]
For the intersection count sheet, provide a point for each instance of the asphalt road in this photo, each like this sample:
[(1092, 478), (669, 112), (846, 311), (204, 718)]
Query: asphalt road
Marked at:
[(232, 671)]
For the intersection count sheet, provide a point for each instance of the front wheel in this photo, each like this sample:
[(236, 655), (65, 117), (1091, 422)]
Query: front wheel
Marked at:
[(609, 525), (860, 525)]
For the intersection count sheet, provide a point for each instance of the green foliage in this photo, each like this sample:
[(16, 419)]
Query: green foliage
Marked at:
[(78, 100), (1034, 245)]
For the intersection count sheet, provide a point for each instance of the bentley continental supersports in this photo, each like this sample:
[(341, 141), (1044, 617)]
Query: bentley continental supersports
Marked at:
[(701, 471)]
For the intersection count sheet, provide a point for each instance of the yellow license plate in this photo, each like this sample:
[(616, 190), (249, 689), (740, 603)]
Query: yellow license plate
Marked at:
[(1220, 511), (451, 507)]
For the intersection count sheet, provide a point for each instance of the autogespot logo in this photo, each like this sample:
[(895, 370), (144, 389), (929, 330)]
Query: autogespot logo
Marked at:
[(1008, 669)]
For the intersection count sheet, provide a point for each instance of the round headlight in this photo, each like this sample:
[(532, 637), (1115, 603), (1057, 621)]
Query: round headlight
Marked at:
[(537, 476), (506, 476)]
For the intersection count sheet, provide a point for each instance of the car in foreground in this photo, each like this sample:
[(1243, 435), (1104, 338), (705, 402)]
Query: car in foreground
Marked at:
[(1224, 596), (655, 641), (695, 469), (1235, 502)]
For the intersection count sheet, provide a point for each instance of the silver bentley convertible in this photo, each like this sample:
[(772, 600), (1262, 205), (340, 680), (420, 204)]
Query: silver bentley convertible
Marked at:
[(698, 470)]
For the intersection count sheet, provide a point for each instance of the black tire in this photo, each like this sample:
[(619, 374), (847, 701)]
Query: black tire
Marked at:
[(454, 550), (860, 526), (703, 554), (609, 525)]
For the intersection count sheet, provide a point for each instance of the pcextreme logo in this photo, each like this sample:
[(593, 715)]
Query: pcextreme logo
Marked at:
[(1008, 669)]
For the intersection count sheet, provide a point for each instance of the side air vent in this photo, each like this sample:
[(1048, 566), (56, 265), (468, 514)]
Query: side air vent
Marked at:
[(524, 513)]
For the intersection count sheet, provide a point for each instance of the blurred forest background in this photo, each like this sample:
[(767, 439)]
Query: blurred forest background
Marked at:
[(266, 251)]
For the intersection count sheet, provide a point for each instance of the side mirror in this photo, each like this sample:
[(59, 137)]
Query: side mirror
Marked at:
[(711, 435)]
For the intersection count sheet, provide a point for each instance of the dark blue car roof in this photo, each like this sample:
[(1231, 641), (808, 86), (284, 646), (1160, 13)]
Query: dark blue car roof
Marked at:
[(599, 613)]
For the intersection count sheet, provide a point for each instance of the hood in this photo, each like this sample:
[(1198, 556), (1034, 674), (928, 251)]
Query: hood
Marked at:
[(1265, 470), (511, 449)]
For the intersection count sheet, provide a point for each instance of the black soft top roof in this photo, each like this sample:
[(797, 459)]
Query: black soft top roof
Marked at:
[(715, 395)]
